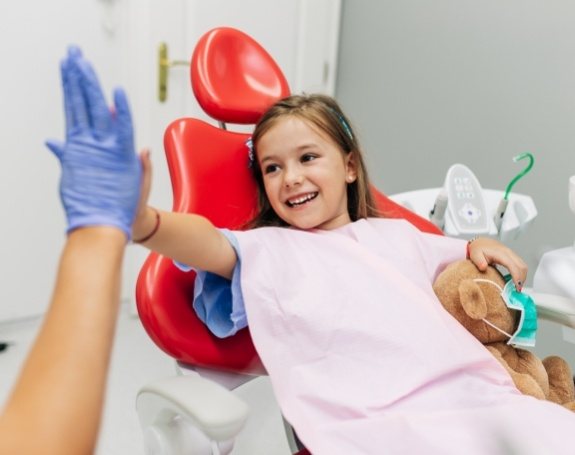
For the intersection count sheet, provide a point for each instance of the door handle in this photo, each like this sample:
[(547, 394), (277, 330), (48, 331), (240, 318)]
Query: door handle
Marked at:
[(164, 65)]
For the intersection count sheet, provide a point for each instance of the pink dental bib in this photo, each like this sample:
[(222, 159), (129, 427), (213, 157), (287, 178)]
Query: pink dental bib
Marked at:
[(364, 359)]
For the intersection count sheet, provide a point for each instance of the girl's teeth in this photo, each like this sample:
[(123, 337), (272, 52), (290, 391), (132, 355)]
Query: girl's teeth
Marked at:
[(301, 200)]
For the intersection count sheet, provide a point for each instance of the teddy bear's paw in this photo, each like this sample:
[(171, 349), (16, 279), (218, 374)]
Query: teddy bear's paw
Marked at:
[(561, 388), (528, 386)]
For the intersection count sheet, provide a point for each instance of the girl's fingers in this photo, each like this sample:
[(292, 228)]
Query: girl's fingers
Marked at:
[(514, 264), (486, 252), (146, 183)]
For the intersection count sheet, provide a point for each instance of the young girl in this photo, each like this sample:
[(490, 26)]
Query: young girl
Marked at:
[(311, 177), (362, 356)]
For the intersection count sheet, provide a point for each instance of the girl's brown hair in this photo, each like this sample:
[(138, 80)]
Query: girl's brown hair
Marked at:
[(324, 113)]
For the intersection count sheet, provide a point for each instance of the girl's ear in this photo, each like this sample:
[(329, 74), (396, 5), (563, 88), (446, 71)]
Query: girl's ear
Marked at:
[(350, 168)]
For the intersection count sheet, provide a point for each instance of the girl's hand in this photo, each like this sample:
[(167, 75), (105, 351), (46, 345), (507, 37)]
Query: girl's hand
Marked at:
[(141, 221), (485, 251)]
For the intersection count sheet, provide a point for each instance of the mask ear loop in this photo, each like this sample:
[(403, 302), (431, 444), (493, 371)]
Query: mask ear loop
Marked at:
[(490, 324), (484, 280)]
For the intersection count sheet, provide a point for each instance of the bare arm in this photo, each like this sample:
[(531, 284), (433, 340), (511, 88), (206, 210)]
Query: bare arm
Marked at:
[(56, 404), (187, 238)]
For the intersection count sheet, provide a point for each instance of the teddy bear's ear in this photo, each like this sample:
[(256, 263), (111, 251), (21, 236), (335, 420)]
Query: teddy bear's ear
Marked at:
[(472, 300)]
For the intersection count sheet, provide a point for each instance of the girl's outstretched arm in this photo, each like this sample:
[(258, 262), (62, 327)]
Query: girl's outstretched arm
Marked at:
[(190, 239)]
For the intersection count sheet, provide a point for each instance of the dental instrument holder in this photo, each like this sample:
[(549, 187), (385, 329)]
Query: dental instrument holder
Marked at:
[(437, 214), (470, 208)]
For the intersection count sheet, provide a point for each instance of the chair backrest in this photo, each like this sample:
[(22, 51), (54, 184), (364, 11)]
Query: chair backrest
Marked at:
[(233, 78), (210, 176)]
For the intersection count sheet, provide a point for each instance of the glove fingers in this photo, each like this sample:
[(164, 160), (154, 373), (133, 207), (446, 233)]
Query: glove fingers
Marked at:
[(68, 107), (97, 108), (74, 52), (124, 121), (56, 147), (77, 115)]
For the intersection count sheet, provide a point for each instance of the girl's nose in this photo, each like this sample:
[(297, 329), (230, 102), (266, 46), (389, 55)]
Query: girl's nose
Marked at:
[(292, 177)]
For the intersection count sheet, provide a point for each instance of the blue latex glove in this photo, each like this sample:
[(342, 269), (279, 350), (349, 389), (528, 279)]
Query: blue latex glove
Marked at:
[(101, 173)]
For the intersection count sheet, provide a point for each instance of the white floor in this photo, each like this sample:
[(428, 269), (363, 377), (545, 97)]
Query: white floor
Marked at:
[(137, 361)]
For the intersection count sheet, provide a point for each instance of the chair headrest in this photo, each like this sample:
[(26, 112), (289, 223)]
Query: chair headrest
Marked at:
[(233, 78)]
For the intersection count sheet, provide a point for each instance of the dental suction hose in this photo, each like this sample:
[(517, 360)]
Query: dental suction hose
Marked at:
[(437, 214), (502, 207)]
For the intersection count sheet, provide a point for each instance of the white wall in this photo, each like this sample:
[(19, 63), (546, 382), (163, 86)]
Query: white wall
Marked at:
[(431, 83), (33, 37)]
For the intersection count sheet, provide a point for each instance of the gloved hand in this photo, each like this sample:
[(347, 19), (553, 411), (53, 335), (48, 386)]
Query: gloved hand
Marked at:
[(101, 173)]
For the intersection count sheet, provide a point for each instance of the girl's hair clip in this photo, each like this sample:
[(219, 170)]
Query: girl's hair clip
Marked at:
[(343, 123), (345, 126), (250, 147)]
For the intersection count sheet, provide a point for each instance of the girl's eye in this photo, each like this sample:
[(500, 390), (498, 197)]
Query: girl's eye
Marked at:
[(308, 157), (270, 168)]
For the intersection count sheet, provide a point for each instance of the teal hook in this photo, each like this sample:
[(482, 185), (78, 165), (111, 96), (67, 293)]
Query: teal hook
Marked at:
[(521, 174)]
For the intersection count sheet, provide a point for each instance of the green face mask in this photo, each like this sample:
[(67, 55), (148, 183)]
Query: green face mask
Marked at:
[(527, 326)]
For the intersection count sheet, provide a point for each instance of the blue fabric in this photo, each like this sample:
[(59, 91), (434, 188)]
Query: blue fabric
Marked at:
[(218, 302)]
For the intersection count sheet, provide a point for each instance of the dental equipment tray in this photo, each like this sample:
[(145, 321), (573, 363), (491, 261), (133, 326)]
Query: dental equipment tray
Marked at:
[(520, 212)]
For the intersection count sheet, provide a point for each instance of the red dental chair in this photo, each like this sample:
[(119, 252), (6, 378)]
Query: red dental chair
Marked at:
[(234, 80)]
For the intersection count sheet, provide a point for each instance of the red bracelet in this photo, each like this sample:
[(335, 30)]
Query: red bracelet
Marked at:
[(151, 234), (467, 249)]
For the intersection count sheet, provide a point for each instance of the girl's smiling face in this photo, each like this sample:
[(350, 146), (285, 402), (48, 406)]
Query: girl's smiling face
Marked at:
[(305, 175)]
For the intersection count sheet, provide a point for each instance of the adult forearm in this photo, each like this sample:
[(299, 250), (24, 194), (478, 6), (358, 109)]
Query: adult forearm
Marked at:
[(56, 405)]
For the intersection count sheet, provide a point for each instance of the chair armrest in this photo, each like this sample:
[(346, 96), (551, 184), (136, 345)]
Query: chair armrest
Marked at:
[(189, 401), (554, 307)]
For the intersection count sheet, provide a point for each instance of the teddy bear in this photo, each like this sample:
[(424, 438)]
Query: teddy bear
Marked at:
[(471, 301)]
